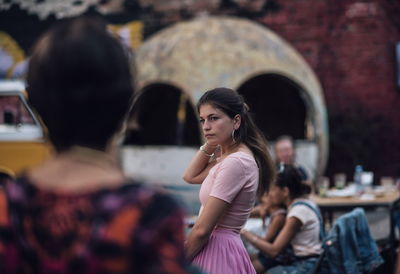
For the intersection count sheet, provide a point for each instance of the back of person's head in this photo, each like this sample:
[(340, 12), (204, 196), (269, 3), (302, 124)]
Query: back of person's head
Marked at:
[(290, 177), (232, 103), (80, 83)]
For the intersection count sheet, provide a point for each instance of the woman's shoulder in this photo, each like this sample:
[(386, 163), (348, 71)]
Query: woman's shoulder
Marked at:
[(112, 207), (111, 214), (128, 193), (304, 209), (150, 197), (237, 164), (299, 206), (244, 158), (303, 202)]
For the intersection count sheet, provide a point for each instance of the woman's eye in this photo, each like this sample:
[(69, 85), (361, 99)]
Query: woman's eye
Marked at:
[(201, 121), (213, 118)]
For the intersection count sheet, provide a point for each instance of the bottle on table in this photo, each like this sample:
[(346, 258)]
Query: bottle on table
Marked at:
[(357, 179)]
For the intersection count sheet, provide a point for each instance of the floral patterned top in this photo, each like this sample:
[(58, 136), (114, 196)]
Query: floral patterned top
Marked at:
[(126, 229)]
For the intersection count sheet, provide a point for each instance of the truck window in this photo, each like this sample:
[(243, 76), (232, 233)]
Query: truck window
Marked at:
[(13, 111), (16, 121)]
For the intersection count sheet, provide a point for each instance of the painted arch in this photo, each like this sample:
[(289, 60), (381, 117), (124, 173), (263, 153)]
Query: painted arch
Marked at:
[(211, 52)]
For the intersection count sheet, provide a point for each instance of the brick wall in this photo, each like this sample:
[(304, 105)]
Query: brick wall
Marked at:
[(350, 46)]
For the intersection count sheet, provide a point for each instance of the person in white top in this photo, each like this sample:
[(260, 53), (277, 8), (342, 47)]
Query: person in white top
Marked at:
[(301, 230)]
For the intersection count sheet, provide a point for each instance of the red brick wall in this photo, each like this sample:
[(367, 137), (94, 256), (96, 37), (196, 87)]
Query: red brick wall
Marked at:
[(350, 45)]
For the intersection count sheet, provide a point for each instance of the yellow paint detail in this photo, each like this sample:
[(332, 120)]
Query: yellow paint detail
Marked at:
[(135, 29), (21, 155), (182, 108), (9, 45)]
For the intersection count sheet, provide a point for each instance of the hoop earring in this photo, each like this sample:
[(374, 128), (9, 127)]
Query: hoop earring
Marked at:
[(233, 136)]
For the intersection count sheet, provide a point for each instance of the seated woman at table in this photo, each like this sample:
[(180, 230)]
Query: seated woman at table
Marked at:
[(301, 230)]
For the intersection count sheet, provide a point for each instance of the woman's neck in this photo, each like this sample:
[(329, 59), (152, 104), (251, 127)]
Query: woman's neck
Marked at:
[(77, 169), (91, 156), (228, 149)]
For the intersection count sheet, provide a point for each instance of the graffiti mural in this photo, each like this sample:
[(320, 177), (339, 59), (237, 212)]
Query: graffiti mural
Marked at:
[(131, 33), (12, 57), (22, 22)]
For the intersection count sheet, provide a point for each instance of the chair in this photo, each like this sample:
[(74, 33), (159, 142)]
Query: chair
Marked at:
[(348, 247)]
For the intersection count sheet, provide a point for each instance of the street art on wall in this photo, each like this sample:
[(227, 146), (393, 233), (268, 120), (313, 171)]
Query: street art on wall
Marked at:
[(131, 34), (12, 57), (22, 22), (43, 8)]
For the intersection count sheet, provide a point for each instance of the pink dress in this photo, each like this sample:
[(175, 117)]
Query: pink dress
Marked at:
[(234, 180)]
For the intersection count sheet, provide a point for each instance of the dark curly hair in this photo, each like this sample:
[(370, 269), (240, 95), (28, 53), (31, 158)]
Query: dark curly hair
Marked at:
[(290, 177)]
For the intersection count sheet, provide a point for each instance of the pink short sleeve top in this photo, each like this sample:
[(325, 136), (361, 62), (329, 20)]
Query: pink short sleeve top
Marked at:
[(234, 180)]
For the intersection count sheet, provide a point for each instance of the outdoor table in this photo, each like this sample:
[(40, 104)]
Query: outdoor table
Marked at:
[(390, 201)]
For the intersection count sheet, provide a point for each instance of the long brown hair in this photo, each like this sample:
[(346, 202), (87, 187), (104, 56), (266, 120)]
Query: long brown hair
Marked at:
[(232, 103)]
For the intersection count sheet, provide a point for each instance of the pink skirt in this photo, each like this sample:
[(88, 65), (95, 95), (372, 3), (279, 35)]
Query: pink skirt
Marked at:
[(224, 254)]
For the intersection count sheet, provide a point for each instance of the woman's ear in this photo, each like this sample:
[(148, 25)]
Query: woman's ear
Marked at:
[(236, 121)]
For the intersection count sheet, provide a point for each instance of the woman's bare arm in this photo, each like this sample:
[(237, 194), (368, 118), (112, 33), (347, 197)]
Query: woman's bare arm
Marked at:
[(274, 227), (204, 226), (200, 165), (289, 230)]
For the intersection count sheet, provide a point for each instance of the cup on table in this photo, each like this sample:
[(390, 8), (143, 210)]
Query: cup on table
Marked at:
[(387, 183), (340, 180), (323, 186), (367, 178)]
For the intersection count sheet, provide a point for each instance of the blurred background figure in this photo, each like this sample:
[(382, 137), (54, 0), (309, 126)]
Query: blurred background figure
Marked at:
[(285, 154), (77, 212)]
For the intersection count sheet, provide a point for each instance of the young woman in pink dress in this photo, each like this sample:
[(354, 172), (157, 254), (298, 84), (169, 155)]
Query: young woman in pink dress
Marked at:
[(233, 166)]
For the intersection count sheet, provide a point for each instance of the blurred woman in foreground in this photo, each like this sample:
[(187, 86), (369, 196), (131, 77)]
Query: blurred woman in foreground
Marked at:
[(78, 213)]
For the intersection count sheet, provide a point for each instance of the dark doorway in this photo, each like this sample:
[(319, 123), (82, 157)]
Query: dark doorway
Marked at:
[(163, 115), (277, 105)]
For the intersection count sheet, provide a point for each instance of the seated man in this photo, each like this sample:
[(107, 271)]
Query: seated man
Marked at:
[(285, 154)]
